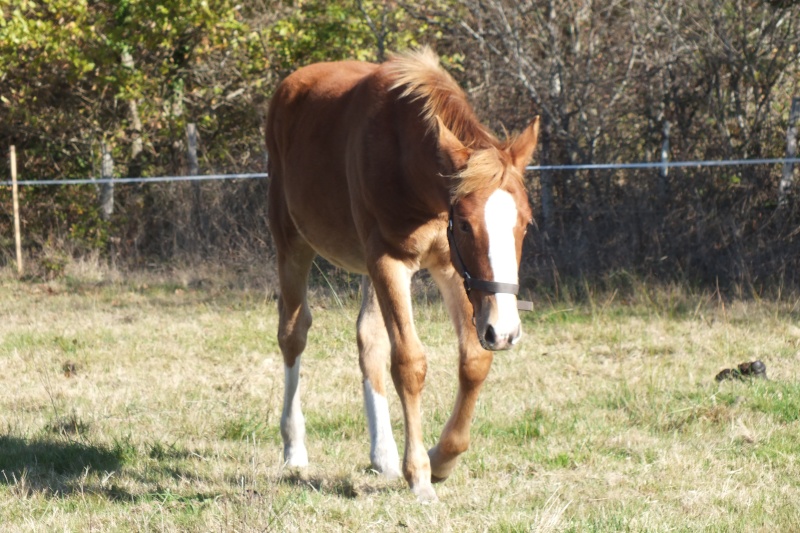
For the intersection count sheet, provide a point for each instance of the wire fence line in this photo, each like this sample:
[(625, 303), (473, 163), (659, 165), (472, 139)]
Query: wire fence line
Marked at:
[(537, 168), (666, 164), (154, 179)]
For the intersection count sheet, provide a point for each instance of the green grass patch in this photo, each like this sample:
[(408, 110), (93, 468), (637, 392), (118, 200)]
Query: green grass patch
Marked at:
[(336, 426), (780, 400), (250, 427), (529, 426)]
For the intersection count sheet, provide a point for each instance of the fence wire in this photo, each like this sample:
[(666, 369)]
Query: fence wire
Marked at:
[(154, 179), (538, 168), (667, 164)]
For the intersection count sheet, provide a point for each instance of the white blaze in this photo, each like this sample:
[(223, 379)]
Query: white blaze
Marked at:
[(501, 217)]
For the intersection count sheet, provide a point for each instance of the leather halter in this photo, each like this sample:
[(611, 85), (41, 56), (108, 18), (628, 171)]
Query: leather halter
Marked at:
[(478, 284)]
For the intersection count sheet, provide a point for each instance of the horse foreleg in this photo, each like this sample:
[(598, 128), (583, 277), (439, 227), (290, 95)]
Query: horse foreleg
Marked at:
[(373, 350), (391, 279), (473, 367), (294, 322)]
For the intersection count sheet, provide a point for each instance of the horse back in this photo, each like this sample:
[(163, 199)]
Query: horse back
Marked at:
[(346, 157)]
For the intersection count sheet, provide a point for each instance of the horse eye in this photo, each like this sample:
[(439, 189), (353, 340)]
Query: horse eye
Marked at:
[(464, 226)]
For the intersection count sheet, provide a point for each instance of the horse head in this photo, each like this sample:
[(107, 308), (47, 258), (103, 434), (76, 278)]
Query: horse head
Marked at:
[(489, 216)]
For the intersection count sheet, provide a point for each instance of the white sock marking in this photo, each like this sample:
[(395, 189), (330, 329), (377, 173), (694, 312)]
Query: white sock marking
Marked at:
[(293, 424), (383, 450)]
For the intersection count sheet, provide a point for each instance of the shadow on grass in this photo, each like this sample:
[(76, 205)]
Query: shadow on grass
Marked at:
[(51, 466), (342, 487), (59, 467)]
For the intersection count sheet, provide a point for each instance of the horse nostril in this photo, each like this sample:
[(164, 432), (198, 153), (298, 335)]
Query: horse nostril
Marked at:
[(490, 336)]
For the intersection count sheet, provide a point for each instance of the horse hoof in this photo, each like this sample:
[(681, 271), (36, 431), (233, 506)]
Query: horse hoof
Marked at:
[(391, 475), (441, 465), (425, 494), (385, 461), (295, 458), (388, 473)]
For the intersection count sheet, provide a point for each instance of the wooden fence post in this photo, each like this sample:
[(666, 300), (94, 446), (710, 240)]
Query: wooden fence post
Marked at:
[(106, 189), (191, 141), (664, 173), (546, 181), (15, 201), (791, 152), (198, 219)]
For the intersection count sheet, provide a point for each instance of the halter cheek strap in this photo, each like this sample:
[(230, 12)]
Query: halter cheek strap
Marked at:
[(481, 284)]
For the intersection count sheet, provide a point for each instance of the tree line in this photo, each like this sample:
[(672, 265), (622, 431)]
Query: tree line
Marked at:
[(613, 80)]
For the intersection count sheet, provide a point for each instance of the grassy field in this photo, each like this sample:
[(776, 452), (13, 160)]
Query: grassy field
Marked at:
[(131, 405)]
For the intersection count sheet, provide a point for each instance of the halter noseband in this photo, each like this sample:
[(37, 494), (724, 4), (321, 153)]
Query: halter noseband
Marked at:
[(481, 284)]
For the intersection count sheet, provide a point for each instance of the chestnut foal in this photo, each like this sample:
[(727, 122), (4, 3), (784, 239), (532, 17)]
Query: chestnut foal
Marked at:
[(385, 170)]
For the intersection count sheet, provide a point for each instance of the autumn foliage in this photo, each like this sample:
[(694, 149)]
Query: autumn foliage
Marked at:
[(611, 81)]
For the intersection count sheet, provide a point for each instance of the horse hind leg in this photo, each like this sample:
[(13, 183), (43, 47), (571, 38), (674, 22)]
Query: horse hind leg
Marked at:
[(373, 351), (294, 264)]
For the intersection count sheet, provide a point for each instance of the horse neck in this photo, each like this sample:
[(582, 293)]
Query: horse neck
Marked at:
[(427, 176)]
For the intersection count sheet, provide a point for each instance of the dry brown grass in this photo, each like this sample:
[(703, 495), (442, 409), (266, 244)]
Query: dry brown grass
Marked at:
[(152, 404)]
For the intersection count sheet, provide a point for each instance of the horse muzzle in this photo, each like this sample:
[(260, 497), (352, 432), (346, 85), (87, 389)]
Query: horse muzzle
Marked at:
[(497, 322)]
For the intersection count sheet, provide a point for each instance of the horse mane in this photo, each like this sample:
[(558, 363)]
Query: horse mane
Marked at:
[(420, 76)]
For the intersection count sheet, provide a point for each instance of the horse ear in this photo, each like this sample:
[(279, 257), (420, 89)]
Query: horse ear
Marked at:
[(524, 144), (450, 147)]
